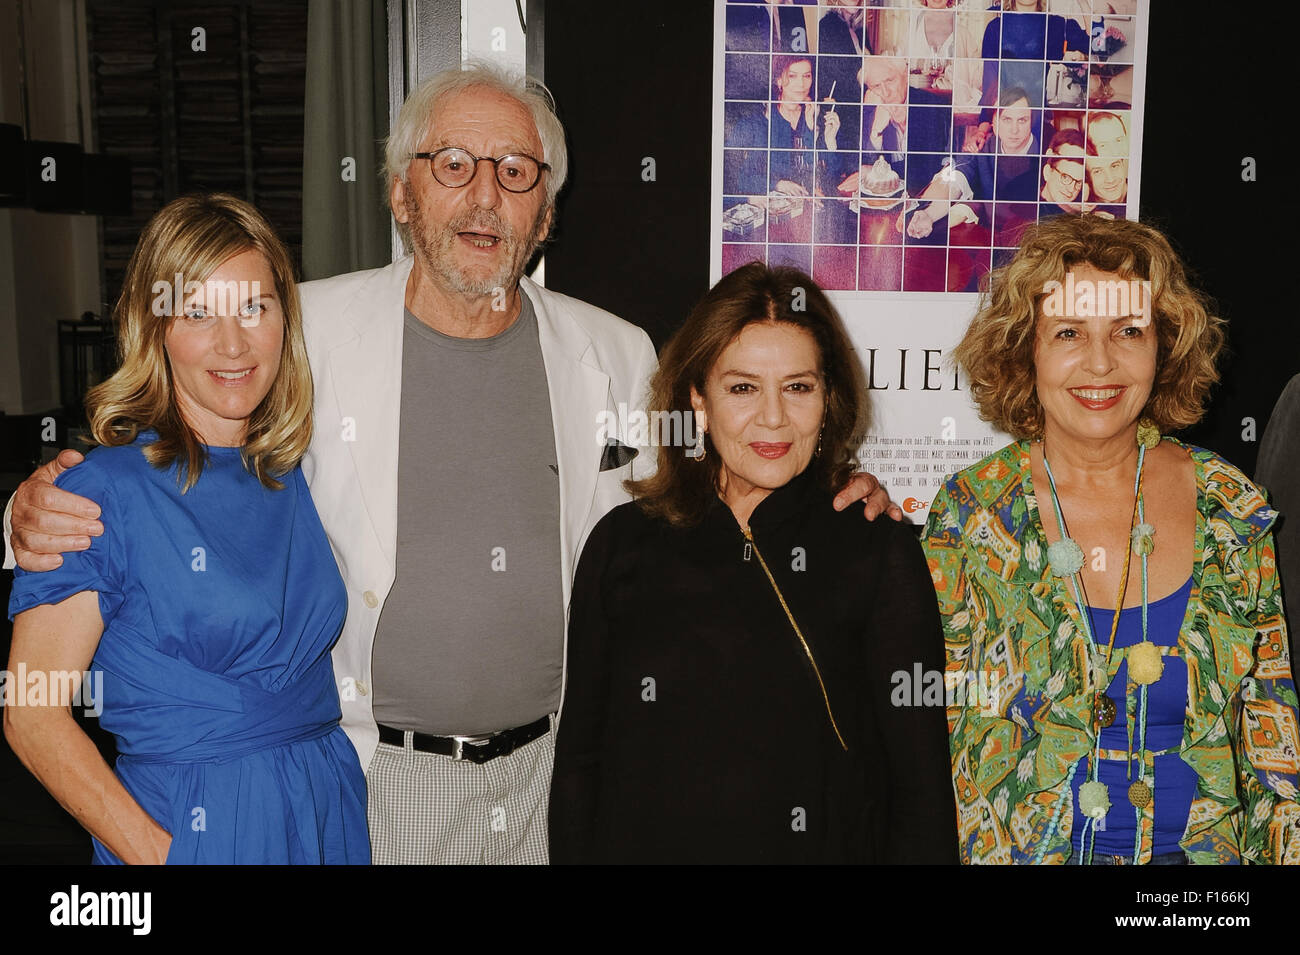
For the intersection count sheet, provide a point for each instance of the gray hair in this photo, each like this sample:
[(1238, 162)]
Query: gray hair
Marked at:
[(416, 117)]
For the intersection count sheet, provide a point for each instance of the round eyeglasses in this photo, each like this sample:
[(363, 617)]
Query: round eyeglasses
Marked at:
[(455, 167)]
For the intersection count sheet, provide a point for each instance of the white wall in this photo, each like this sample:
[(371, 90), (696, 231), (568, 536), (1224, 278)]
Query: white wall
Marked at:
[(489, 30)]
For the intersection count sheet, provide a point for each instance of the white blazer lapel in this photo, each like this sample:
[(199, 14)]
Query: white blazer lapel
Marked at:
[(367, 376), (579, 392)]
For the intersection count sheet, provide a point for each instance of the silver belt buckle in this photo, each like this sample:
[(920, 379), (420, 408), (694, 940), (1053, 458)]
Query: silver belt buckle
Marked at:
[(458, 750)]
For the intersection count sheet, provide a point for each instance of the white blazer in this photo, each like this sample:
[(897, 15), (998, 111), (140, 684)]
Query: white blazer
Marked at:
[(353, 327)]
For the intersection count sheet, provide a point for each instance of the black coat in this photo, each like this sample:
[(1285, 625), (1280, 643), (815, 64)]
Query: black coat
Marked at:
[(694, 728)]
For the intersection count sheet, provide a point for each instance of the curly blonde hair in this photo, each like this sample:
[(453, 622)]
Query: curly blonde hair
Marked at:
[(997, 351)]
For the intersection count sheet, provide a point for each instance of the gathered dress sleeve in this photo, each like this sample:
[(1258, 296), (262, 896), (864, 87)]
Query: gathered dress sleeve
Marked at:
[(101, 568)]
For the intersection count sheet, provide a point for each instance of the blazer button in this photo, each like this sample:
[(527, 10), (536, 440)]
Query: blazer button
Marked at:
[(371, 600), (362, 688)]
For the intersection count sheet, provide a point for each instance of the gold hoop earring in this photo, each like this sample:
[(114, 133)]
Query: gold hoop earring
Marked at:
[(700, 450)]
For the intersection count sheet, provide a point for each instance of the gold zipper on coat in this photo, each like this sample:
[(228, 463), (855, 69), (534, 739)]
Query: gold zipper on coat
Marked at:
[(749, 538)]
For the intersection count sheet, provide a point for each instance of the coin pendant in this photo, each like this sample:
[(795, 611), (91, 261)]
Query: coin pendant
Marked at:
[(1105, 711)]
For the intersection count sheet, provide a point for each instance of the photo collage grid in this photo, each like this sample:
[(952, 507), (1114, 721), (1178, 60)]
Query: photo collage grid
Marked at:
[(903, 146)]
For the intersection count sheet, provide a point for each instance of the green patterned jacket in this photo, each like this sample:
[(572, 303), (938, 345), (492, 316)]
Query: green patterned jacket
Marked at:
[(1019, 713)]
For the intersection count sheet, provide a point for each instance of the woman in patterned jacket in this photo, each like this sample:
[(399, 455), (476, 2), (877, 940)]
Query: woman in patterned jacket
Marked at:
[(1119, 685)]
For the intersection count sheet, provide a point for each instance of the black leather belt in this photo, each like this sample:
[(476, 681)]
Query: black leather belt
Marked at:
[(475, 749)]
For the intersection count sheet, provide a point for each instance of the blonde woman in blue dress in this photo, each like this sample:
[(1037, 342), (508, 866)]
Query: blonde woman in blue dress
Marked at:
[(211, 601)]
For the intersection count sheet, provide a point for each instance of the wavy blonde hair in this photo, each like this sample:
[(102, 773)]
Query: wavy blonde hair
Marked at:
[(997, 351), (192, 236)]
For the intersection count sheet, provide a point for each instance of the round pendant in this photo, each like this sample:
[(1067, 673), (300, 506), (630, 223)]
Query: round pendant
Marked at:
[(1144, 663), (1139, 794), (1094, 799), (1143, 542), (1106, 711), (1148, 435), (1065, 557)]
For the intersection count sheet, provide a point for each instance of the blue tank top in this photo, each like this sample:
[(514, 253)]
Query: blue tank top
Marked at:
[(1173, 782)]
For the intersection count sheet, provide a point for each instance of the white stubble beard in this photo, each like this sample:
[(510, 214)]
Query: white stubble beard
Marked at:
[(436, 250)]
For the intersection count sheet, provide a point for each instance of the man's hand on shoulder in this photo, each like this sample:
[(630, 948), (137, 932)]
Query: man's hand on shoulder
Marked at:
[(47, 521), (864, 487)]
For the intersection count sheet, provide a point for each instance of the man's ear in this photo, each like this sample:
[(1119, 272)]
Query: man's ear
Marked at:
[(544, 229), (397, 200)]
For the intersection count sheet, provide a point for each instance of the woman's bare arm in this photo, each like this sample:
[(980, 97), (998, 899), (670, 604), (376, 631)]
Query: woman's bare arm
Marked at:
[(60, 638)]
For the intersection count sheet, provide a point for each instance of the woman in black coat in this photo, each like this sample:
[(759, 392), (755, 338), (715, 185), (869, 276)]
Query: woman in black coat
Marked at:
[(741, 655)]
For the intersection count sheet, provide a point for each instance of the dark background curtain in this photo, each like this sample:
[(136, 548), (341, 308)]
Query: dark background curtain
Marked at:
[(345, 221)]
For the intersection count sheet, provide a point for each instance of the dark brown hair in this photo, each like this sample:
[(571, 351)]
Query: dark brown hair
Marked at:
[(682, 488)]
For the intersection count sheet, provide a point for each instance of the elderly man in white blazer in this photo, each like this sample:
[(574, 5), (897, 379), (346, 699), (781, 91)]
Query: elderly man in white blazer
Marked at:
[(467, 437), (594, 363), (452, 659)]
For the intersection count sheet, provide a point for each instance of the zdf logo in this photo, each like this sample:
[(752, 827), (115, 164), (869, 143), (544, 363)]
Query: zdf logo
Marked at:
[(911, 505)]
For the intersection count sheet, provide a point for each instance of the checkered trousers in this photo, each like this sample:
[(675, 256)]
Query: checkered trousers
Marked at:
[(427, 809)]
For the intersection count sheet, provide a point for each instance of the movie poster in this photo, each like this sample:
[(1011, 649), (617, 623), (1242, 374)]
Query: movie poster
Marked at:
[(894, 150)]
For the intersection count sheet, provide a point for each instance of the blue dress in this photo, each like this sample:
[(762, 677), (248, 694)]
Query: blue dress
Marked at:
[(220, 607)]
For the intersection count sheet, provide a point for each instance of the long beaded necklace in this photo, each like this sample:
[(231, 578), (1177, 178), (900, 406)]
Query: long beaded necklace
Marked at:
[(1144, 663)]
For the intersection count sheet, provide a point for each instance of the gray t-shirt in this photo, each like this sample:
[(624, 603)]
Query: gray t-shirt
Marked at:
[(471, 638)]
